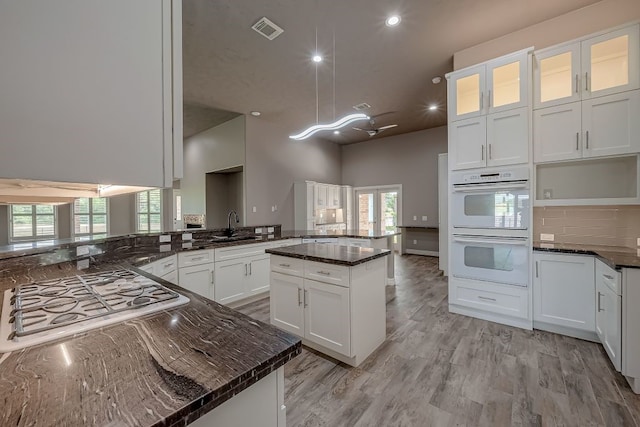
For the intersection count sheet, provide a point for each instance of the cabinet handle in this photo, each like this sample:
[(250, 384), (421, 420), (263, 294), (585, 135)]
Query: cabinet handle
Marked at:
[(577, 84), (599, 308), (490, 157), (481, 101), (299, 297), (587, 140), (483, 152), (608, 277), (324, 273), (537, 269), (167, 265), (246, 271), (487, 299), (212, 278), (577, 140), (586, 81), (489, 98), (250, 269), (198, 258), (306, 297), (285, 265)]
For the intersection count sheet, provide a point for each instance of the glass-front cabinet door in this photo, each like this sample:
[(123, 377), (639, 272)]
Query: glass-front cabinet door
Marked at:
[(611, 62), (467, 93), (507, 80), (557, 76)]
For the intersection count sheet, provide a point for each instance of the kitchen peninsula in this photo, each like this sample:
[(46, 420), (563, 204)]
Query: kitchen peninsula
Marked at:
[(198, 361), (331, 296)]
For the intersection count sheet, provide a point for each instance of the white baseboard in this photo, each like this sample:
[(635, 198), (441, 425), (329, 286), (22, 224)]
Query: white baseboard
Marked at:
[(563, 330), (421, 252)]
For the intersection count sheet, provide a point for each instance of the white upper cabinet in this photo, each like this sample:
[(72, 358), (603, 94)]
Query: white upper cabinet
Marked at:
[(557, 76), (497, 85), (91, 91), (611, 124), (593, 67), (557, 133), (466, 94), (489, 113)]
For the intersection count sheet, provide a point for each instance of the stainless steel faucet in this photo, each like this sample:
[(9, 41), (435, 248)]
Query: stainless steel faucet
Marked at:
[(230, 230)]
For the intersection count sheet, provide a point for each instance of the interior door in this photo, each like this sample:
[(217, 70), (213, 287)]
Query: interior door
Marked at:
[(378, 209)]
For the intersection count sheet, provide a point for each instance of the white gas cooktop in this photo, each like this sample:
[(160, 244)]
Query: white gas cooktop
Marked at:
[(38, 312)]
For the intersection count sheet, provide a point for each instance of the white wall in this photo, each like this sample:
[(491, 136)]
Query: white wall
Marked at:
[(274, 162), (596, 17), (220, 147), (410, 159)]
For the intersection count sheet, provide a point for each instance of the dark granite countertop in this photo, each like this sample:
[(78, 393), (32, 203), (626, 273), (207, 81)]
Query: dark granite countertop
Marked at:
[(166, 368), (330, 254), (614, 256), (418, 227)]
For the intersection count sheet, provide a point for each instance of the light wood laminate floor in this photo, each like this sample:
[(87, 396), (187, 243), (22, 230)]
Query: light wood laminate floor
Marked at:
[(441, 369)]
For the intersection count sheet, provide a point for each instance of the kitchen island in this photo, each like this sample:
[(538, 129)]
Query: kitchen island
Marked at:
[(198, 361), (331, 296)]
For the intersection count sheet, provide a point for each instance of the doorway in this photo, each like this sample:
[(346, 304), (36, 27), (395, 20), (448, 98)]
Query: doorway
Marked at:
[(378, 209), (224, 192)]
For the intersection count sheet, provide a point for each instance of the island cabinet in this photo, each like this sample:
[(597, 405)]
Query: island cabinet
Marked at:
[(336, 309), (196, 272), (92, 91)]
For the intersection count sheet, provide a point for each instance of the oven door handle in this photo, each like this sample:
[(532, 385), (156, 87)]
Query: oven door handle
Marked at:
[(466, 188), (514, 242)]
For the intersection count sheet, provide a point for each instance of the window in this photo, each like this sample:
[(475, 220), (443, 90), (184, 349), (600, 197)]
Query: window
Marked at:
[(32, 222), (90, 216), (149, 211)]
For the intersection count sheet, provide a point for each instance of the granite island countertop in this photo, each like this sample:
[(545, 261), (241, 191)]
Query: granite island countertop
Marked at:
[(163, 369), (355, 234), (615, 256), (330, 254)]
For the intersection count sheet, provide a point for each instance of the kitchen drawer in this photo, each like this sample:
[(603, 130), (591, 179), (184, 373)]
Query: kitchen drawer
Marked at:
[(165, 266), (609, 277), (496, 299), (186, 259), (327, 273), (287, 265), (241, 251)]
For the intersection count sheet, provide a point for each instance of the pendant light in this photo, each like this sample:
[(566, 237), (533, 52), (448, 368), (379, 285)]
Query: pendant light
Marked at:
[(336, 124)]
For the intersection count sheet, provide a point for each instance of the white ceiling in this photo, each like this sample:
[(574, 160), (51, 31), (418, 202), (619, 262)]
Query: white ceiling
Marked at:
[(228, 66)]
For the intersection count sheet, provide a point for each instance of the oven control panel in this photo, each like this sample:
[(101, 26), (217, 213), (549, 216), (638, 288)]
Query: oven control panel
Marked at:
[(516, 174)]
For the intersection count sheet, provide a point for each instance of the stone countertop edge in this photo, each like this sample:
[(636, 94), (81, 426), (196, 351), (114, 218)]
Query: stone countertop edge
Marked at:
[(306, 252), (615, 257)]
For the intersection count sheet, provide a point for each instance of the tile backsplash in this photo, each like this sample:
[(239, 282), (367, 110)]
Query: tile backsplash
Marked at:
[(597, 225)]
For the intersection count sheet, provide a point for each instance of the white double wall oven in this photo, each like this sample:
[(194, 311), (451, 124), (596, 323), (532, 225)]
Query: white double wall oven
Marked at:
[(491, 226)]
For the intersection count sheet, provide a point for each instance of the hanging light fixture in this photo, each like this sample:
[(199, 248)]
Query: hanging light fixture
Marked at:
[(336, 124)]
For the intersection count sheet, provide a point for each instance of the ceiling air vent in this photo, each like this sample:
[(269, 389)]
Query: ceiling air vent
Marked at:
[(267, 28), (362, 106)]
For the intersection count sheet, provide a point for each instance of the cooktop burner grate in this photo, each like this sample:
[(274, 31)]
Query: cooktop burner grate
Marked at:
[(44, 306)]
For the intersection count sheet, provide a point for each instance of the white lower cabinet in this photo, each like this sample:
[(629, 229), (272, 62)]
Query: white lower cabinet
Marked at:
[(609, 311), (342, 315), (326, 316), (240, 278), (171, 277), (198, 279), (563, 294)]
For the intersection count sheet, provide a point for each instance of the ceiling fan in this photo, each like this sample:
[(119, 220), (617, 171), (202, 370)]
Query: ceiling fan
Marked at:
[(373, 130)]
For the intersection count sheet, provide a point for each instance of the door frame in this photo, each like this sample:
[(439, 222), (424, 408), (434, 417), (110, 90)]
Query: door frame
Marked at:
[(377, 189)]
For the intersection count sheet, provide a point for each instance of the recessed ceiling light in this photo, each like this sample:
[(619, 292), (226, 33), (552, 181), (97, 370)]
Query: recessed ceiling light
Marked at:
[(433, 107), (317, 58), (336, 132), (393, 20), (255, 113)]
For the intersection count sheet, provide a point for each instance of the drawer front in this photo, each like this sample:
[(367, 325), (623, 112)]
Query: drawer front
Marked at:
[(327, 273), (361, 243), (491, 299), (148, 268), (241, 251), (166, 266), (186, 259), (287, 265), (171, 277), (609, 277)]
